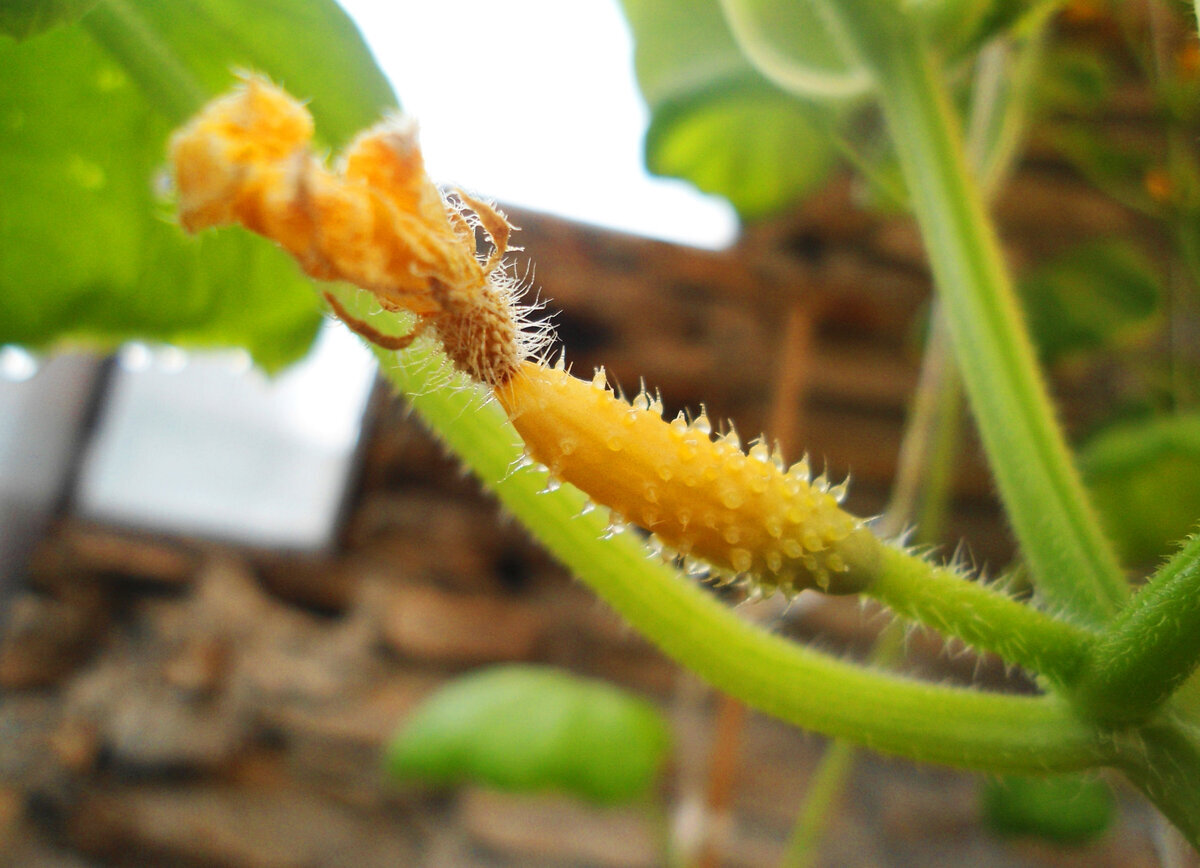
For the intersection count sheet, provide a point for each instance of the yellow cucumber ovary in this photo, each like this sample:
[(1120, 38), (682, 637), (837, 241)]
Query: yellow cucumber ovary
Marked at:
[(744, 514)]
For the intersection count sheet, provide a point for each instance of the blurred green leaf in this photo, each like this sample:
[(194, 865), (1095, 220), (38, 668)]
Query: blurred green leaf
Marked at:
[(24, 18), (760, 172), (1063, 808), (681, 48), (793, 43), (958, 26), (1074, 80), (1094, 296), (529, 728), (1145, 481), (1120, 169), (88, 251), (715, 121), (798, 46), (732, 130)]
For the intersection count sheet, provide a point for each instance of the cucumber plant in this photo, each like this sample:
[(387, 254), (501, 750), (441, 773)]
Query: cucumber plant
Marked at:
[(1116, 666)]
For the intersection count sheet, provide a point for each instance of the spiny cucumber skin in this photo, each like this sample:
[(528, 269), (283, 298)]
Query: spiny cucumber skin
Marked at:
[(704, 498)]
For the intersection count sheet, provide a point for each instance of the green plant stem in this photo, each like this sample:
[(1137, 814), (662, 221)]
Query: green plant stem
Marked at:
[(1164, 761), (931, 445), (1073, 564), (171, 88), (1151, 647), (981, 616), (934, 502), (1183, 298), (1180, 211), (894, 715), (920, 492), (825, 785), (823, 791), (924, 472)]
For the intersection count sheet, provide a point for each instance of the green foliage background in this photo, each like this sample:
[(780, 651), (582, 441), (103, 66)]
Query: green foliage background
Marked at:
[(523, 727), (88, 249), (88, 253)]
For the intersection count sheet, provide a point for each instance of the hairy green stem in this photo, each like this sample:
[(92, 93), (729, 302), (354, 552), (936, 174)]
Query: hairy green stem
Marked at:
[(931, 445), (922, 490), (1164, 761), (1072, 562), (171, 88), (981, 616), (924, 473), (1150, 648), (923, 722)]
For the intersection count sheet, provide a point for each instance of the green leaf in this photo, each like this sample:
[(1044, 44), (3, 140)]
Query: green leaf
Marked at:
[(24, 18), (794, 43), (806, 48), (719, 123), (1069, 809), (528, 728), (1074, 80), (681, 48), (708, 142), (715, 121), (1145, 481), (88, 250), (956, 27), (1118, 168), (1095, 296)]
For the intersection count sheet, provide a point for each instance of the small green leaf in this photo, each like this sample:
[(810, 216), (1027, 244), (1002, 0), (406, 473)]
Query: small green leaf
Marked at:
[(1145, 481), (88, 249), (1118, 168), (681, 47), (957, 26), (528, 728), (794, 43), (1069, 809), (1074, 80), (709, 142), (1095, 296), (715, 121), (24, 18)]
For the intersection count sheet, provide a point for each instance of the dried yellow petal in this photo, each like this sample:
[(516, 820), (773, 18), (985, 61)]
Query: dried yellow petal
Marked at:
[(378, 222)]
